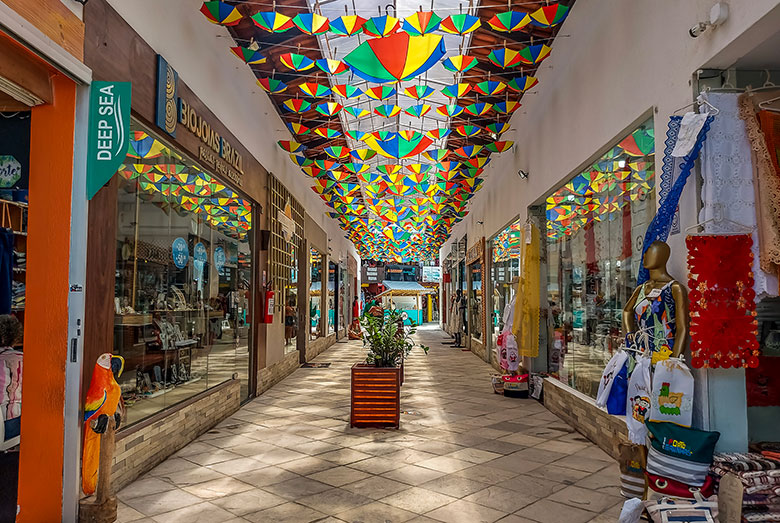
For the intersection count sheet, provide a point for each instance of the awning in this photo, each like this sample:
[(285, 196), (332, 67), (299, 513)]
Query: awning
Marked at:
[(404, 288)]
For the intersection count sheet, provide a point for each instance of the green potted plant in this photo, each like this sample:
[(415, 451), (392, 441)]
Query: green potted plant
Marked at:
[(376, 383)]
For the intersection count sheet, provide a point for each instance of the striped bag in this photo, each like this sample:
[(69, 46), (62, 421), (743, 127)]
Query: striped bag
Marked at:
[(680, 453), (632, 481), (675, 510)]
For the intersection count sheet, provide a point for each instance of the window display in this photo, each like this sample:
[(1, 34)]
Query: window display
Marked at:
[(291, 305), (332, 268), (475, 300), (505, 256), (183, 279), (315, 294), (595, 225)]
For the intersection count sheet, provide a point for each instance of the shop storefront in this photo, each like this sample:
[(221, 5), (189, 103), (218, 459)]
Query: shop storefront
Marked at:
[(476, 317), (316, 328), (504, 250)]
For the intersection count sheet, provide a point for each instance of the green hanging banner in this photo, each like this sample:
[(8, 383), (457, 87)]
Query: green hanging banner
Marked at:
[(109, 132)]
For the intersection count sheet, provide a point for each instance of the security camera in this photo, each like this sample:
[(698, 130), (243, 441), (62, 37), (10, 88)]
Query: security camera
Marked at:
[(522, 174), (719, 13), (697, 29)]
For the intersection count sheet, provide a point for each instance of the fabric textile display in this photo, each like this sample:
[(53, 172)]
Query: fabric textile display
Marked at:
[(630, 461), (680, 453), (672, 393), (760, 478), (727, 192), (766, 179), (723, 326), (609, 375), (638, 400), (10, 392), (661, 224), (676, 510), (525, 325)]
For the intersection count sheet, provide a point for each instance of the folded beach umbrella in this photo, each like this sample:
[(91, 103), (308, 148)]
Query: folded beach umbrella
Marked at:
[(398, 57), (490, 87), (459, 63), (449, 110), (457, 90), (347, 91), (504, 57), (311, 23), (296, 62), (509, 21), (314, 89), (550, 15), (421, 22), (387, 110), (381, 26), (272, 21), (220, 13), (334, 67), (478, 109), (347, 25), (534, 54), (418, 110), (419, 92), (460, 24), (329, 108), (248, 56), (296, 105), (357, 112), (271, 85), (522, 83)]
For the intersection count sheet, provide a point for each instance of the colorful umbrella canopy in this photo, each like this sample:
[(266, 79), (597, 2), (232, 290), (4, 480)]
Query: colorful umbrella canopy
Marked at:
[(498, 128), (272, 21), (509, 21), (419, 92), (311, 23), (490, 87), (329, 108), (449, 110), (460, 24), (271, 85), (400, 145), (550, 15), (534, 54), (336, 151), (362, 154), (468, 151), (421, 22), (381, 26), (504, 58), (436, 155), (220, 13), (296, 105), (314, 89), (499, 146), (387, 110), (296, 62), (334, 67), (388, 168), (457, 90), (459, 63), (291, 146), (298, 128), (468, 130), (347, 91), (398, 57), (381, 92), (439, 133), (478, 109), (248, 56), (347, 25), (357, 112), (418, 110), (356, 135), (522, 83), (301, 161), (356, 168), (478, 163), (507, 107), (327, 165), (419, 168), (326, 132)]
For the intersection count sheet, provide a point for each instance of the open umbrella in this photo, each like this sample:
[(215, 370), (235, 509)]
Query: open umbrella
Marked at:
[(387, 110), (291, 146), (478, 163), (367, 177), (336, 151), (436, 155), (298, 128), (460, 24), (504, 58), (459, 63), (507, 107), (418, 110), (550, 15), (362, 154), (220, 13), (247, 55), (296, 105), (419, 92), (296, 62), (314, 89), (272, 21), (509, 21), (499, 146), (329, 66), (347, 91), (144, 146), (311, 23), (439, 133), (339, 176), (400, 146), (381, 92), (357, 112), (327, 165), (534, 54), (388, 168), (398, 57), (468, 151), (522, 83), (457, 90), (329, 108), (272, 85), (326, 132), (498, 128), (421, 22), (356, 168), (490, 87), (468, 130), (381, 26), (419, 168), (478, 109), (347, 25), (356, 135), (301, 161), (449, 110)]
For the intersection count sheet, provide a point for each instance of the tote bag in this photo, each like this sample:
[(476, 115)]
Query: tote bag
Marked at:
[(616, 401), (674, 510), (614, 365), (680, 453), (638, 401), (672, 398)]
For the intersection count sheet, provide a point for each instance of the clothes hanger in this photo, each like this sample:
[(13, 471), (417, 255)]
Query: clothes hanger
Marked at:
[(765, 105), (700, 100), (720, 219)]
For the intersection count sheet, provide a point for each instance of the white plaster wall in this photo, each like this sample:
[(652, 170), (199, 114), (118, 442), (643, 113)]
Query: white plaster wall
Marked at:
[(616, 63), (199, 51)]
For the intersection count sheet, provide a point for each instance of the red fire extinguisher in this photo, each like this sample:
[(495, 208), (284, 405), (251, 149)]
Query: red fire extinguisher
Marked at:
[(268, 305)]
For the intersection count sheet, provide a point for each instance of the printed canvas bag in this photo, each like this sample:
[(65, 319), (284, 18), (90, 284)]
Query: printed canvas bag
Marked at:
[(611, 371), (632, 479), (672, 398), (616, 401), (638, 401), (675, 510), (680, 453)]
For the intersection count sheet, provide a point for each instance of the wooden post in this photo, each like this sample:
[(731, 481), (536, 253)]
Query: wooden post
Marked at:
[(101, 508)]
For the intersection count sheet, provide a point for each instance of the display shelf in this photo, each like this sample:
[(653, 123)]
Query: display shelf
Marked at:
[(23, 205), (133, 319)]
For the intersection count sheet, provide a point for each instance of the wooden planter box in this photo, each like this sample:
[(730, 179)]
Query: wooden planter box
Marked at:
[(376, 396)]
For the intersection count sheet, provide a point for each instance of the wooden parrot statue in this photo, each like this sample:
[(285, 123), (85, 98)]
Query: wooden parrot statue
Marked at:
[(102, 403)]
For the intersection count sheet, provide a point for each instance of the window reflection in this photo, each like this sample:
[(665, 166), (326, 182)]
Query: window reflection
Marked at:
[(505, 269), (315, 294)]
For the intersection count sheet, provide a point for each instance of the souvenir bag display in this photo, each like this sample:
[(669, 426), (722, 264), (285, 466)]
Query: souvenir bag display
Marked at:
[(660, 487), (632, 481), (638, 400), (614, 366), (616, 401), (676, 510), (680, 453), (722, 301), (672, 393)]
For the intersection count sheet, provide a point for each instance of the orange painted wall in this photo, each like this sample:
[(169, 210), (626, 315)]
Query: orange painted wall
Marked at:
[(46, 313)]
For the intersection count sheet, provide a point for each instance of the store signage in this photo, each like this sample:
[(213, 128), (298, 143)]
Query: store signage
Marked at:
[(285, 218), (171, 110), (109, 132), (476, 252), (372, 274), (431, 274), (180, 252), (10, 171)]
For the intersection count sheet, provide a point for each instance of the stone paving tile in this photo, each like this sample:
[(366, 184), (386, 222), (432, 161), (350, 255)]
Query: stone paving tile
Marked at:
[(462, 454)]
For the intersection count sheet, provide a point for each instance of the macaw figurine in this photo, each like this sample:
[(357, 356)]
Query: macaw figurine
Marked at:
[(102, 403)]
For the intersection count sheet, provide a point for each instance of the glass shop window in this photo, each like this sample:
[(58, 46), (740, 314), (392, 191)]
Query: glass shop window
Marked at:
[(595, 225), (332, 297), (183, 279), (475, 300), (315, 294), (505, 252), (291, 304)]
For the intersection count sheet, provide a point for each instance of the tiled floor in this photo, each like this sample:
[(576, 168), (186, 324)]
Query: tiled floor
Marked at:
[(462, 454)]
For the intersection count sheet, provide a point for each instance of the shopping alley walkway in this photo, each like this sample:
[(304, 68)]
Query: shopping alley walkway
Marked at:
[(462, 454)]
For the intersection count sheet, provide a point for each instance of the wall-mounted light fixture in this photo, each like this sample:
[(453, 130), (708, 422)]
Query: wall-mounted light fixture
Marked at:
[(522, 174), (718, 15)]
